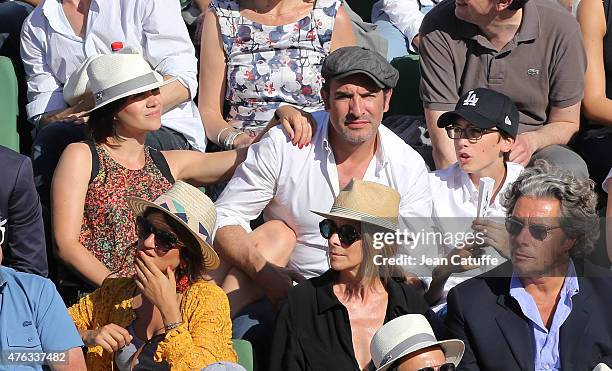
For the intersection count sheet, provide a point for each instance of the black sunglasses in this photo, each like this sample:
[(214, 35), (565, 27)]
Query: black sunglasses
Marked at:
[(444, 367), (540, 232), (470, 133), (164, 241), (347, 233)]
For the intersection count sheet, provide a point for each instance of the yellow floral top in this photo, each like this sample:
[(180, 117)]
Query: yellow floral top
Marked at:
[(202, 339)]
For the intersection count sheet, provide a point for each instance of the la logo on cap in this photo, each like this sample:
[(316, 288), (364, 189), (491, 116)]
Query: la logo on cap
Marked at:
[(471, 99), (507, 121)]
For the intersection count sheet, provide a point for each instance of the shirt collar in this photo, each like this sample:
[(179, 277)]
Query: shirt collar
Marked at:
[(382, 160), (327, 300), (529, 29), (570, 285), (3, 279), (52, 10)]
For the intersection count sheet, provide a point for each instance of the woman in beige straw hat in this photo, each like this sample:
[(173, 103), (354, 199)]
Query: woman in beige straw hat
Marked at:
[(93, 179), (166, 316), (328, 321)]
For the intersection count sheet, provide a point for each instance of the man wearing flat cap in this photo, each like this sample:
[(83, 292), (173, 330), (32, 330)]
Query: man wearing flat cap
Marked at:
[(286, 182)]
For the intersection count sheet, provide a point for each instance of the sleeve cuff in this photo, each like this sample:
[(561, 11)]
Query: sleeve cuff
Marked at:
[(187, 77), (411, 31), (45, 102), (436, 106)]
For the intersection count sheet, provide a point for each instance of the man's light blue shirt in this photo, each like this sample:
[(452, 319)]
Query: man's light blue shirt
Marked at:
[(546, 341), (33, 318)]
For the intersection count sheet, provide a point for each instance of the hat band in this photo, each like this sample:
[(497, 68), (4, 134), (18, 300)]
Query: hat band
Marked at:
[(399, 348), (126, 87)]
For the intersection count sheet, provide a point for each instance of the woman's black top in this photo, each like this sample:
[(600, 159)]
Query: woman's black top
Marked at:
[(313, 331)]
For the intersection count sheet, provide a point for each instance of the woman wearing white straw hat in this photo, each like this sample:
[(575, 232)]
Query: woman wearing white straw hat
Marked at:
[(328, 321), (408, 343), (92, 180), (166, 316)]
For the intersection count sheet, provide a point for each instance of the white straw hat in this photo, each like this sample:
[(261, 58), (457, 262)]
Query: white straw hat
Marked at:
[(191, 208), (109, 77), (366, 202), (407, 334)]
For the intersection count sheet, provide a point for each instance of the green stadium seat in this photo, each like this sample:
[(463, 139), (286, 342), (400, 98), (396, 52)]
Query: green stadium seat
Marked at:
[(8, 105), (406, 99), (244, 350)]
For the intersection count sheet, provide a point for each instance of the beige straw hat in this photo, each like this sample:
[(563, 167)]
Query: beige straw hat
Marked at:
[(407, 334), (366, 202), (109, 77), (191, 208)]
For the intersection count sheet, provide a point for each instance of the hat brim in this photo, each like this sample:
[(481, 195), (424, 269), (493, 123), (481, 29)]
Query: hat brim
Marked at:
[(209, 255), (360, 217), (134, 91), (453, 352), (471, 116)]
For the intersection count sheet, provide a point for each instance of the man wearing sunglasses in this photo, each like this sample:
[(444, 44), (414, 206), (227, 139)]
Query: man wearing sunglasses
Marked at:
[(548, 308), (483, 127)]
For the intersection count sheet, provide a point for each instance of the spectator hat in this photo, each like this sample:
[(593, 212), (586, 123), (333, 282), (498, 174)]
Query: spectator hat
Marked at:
[(109, 77), (407, 334), (485, 109), (191, 208), (351, 60), (366, 202)]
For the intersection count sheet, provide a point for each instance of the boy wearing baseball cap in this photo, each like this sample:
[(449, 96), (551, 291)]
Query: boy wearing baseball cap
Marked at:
[(483, 127)]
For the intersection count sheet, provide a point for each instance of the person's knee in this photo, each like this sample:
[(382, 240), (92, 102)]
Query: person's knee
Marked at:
[(275, 241), (564, 158)]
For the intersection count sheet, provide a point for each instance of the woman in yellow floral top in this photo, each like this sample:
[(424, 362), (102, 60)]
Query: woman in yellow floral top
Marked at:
[(166, 316)]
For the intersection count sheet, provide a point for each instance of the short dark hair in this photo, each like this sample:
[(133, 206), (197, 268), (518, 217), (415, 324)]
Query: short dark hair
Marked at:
[(517, 4), (101, 123)]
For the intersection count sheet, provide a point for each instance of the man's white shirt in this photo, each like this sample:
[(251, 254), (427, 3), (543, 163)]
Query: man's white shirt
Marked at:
[(51, 52), (287, 182)]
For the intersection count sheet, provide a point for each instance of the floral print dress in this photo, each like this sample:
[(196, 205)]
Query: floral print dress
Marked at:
[(108, 229), (270, 65)]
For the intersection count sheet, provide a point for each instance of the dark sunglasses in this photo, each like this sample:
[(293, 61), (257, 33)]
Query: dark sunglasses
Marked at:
[(164, 241), (444, 367), (538, 231), (347, 233), (470, 133)]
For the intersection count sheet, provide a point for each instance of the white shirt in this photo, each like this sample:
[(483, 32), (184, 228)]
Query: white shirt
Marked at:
[(287, 182), (404, 14), (455, 205), (51, 52)]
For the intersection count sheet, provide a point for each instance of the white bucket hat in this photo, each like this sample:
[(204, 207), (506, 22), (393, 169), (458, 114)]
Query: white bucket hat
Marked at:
[(109, 77), (407, 334), (191, 208), (366, 202)]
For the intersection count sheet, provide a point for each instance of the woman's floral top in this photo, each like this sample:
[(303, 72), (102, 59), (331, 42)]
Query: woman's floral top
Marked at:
[(270, 65)]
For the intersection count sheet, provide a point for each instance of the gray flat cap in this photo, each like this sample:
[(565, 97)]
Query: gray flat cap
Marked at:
[(351, 60)]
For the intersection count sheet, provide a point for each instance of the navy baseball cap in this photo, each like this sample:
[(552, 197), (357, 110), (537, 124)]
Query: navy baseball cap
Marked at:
[(485, 109)]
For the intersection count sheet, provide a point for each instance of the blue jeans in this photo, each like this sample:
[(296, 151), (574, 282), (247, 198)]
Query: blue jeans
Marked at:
[(255, 323)]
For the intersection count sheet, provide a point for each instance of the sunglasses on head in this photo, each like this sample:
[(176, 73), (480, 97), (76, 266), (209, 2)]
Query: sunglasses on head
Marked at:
[(444, 367), (164, 241), (473, 133), (346, 233), (540, 232)]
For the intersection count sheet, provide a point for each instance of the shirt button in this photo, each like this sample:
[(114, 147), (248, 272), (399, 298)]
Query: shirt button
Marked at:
[(547, 367), (30, 339)]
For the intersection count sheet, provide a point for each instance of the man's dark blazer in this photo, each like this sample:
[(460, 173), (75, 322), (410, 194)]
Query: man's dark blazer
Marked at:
[(24, 246), (498, 337)]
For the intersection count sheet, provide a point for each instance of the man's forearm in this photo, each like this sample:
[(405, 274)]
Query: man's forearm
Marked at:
[(554, 133), (232, 242), (173, 94), (443, 149)]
